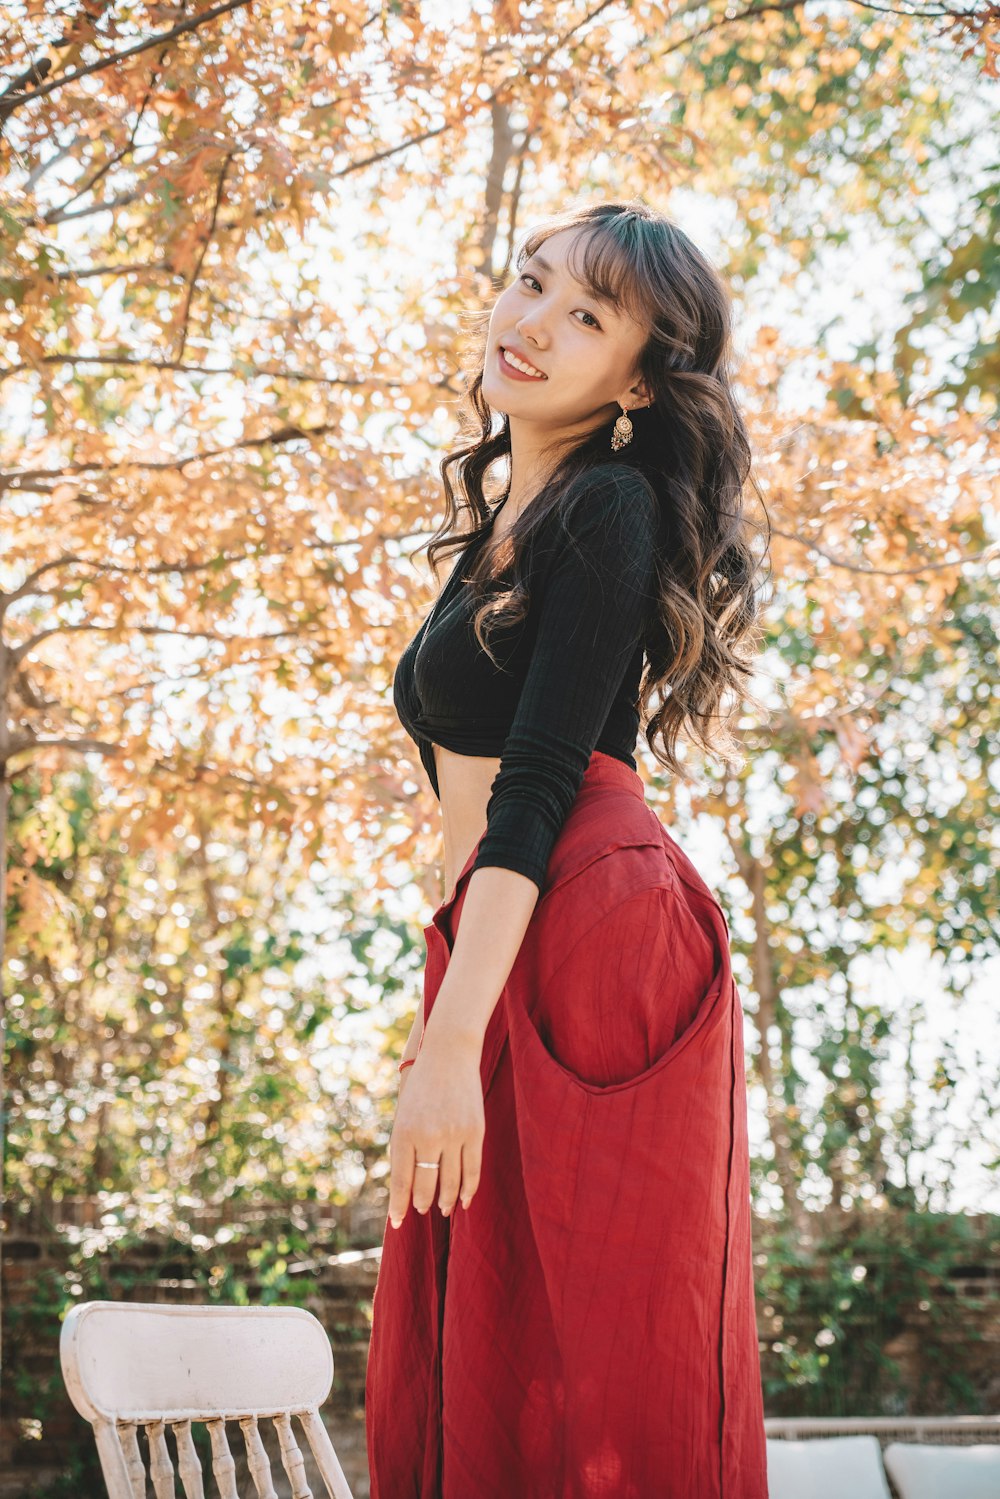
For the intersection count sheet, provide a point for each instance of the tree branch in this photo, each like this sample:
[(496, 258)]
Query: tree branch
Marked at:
[(198, 369), (220, 188), (377, 156), (17, 654), (133, 572), (887, 572), (126, 150), (82, 273), (63, 215), (280, 435), (193, 23), (21, 742)]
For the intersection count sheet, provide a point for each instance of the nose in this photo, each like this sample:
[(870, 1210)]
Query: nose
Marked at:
[(526, 326)]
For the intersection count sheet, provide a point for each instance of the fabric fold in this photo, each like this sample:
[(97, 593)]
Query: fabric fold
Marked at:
[(587, 1328)]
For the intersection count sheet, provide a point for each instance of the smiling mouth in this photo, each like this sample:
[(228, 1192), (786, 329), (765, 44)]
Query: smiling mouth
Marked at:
[(506, 364)]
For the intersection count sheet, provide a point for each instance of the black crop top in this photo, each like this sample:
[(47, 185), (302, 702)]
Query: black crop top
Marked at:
[(569, 672)]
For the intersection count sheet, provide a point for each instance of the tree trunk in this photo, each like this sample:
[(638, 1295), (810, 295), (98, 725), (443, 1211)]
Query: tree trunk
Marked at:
[(766, 985)]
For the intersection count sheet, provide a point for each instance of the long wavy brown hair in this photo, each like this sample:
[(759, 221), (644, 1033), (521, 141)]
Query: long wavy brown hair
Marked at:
[(691, 446)]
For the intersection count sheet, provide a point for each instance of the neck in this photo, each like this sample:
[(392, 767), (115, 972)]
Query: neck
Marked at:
[(529, 457), (532, 458)]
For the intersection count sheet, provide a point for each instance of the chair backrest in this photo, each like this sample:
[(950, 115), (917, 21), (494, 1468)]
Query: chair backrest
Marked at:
[(141, 1364)]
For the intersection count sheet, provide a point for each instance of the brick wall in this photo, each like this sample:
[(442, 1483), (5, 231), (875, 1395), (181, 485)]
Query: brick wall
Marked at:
[(40, 1432)]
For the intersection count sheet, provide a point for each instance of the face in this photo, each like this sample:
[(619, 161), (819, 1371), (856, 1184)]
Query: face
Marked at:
[(588, 352)]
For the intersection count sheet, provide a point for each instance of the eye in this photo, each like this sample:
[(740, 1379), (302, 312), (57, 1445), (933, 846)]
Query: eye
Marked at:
[(593, 321)]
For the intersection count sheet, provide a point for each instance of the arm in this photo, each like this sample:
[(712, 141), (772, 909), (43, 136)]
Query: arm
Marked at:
[(413, 1039), (596, 598), (410, 1049)]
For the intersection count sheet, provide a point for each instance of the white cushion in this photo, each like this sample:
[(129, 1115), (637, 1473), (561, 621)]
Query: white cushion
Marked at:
[(826, 1468), (927, 1470)]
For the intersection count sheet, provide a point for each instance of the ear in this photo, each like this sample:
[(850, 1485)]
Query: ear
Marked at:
[(638, 395)]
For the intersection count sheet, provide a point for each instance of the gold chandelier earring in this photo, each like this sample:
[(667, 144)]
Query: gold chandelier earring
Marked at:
[(622, 432)]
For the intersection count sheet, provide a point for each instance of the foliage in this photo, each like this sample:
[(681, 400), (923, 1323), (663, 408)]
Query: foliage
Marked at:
[(875, 834), (116, 1264), (838, 1306), (830, 1316), (236, 250), (188, 1024)]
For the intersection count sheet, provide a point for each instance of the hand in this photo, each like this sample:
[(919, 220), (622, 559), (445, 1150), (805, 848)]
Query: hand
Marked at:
[(442, 1119)]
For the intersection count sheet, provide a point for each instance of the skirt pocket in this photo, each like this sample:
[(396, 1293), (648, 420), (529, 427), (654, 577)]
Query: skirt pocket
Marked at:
[(628, 990)]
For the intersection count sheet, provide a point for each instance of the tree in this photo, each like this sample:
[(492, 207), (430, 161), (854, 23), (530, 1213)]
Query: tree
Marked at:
[(220, 431)]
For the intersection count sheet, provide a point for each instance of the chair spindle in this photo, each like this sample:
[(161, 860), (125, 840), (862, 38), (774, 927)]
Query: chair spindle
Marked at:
[(129, 1440), (161, 1469), (188, 1465), (257, 1460), (291, 1457), (223, 1463)]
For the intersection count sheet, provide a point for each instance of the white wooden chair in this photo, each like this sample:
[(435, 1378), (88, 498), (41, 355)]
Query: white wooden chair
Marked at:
[(131, 1364)]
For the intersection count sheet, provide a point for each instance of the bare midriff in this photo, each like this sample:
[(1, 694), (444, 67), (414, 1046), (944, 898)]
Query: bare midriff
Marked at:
[(464, 783)]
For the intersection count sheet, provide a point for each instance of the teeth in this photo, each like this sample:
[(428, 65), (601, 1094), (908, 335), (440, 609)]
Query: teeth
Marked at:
[(519, 364)]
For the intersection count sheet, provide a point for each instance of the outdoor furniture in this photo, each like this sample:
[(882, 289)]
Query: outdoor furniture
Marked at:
[(826, 1468), (905, 1457), (135, 1364), (924, 1472)]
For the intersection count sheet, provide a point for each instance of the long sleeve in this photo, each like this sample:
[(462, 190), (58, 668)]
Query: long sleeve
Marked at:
[(597, 592)]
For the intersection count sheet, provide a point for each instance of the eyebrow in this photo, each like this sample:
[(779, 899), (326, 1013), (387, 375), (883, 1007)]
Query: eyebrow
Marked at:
[(540, 260)]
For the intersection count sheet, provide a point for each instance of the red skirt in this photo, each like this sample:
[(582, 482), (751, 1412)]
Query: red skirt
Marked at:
[(586, 1329)]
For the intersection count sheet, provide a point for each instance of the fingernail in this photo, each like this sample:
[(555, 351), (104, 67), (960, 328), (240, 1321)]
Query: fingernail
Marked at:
[(445, 1212), (395, 1221)]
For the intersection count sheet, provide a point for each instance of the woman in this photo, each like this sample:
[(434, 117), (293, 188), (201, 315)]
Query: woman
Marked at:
[(564, 1307)]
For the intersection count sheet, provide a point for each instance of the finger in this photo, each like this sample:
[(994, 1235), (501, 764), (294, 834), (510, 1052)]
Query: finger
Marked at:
[(472, 1165), (401, 1158), (449, 1178), (425, 1180)]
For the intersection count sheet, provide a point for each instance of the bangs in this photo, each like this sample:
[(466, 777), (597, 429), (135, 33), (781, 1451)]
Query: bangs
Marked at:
[(607, 259)]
